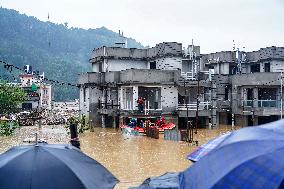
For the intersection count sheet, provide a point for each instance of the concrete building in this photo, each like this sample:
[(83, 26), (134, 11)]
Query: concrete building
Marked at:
[(248, 85), (39, 94), (165, 76), (181, 84)]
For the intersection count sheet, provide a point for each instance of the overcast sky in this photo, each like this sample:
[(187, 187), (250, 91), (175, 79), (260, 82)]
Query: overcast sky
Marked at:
[(213, 24)]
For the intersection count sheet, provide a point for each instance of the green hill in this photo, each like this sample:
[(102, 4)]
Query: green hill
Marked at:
[(61, 52)]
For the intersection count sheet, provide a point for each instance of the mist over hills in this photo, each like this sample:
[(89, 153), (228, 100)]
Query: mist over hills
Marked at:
[(59, 51)]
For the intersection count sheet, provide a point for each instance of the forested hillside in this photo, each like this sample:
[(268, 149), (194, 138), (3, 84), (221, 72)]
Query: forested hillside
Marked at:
[(61, 52)]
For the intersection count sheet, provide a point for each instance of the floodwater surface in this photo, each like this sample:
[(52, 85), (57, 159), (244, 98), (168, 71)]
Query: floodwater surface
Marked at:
[(132, 159)]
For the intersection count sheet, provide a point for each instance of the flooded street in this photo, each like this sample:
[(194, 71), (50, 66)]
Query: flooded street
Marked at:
[(131, 159)]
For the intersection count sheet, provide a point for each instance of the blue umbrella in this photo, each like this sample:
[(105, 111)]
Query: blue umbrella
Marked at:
[(47, 166), (165, 181), (206, 148), (248, 158), (212, 144)]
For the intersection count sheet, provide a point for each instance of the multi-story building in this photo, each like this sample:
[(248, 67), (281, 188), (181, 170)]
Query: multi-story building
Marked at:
[(165, 76), (39, 93), (181, 84), (248, 85)]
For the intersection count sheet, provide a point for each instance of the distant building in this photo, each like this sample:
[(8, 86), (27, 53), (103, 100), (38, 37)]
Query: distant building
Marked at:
[(179, 83), (66, 106), (39, 94)]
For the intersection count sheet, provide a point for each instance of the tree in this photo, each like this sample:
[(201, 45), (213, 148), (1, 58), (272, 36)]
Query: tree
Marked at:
[(10, 97)]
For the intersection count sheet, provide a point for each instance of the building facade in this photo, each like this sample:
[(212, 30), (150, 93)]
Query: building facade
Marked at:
[(39, 94), (182, 85)]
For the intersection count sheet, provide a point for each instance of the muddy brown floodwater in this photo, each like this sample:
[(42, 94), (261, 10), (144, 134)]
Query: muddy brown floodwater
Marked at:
[(131, 159)]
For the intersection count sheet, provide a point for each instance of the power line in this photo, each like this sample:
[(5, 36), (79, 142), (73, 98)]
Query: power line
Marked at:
[(10, 68)]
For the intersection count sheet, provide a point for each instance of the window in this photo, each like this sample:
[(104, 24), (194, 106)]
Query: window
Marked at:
[(84, 94), (226, 93), (127, 98), (153, 65), (152, 96), (249, 93), (267, 67), (255, 68)]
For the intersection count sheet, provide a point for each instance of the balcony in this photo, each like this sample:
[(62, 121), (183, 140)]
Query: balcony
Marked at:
[(260, 107), (148, 106), (193, 106), (256, 79), (261, 103), (193, 76)]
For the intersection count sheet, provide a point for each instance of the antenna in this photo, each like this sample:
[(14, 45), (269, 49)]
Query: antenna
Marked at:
[(124, 39)]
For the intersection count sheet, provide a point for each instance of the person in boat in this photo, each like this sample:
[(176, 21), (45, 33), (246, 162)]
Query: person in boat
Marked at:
[(163, 121), (140, 102), (142, 123), (158, 123), (132, 123)]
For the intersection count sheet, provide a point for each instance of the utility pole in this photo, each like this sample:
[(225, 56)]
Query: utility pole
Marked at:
[(197, 98), (186, 105), (281, 96)]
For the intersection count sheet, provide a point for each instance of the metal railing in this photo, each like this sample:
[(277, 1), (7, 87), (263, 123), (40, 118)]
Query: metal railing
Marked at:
[(189, 75), (128, 105), (193, 75), (261, 103), (193, 106)]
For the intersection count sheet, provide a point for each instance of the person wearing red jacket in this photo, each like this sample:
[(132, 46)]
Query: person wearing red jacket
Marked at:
[(140, 102)]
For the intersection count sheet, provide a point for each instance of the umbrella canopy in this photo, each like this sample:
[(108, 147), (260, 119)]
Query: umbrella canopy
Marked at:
[(212, 144), (247, 158), (206, 148), (166, 181), (52, 166)]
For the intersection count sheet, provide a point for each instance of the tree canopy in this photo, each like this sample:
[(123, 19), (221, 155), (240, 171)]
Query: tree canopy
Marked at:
[(10, 98)]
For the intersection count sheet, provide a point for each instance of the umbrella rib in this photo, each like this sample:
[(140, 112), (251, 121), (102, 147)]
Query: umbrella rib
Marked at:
[(33, 165), (65, 165)]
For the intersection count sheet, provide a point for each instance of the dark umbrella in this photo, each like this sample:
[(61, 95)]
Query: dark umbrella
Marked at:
[(47, 166), (247, 158)]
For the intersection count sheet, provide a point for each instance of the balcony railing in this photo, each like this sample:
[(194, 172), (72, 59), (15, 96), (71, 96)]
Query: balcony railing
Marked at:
[(262, 103), (128, 105), (193, 75), (189, 75), (193, 106)]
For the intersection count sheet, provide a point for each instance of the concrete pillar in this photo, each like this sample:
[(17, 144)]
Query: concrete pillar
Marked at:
[(255, 120), (135, 97), (103, 121), (244, 94), (215, 121), (261, 67), (207, 123), (255, 97), (120, 98)]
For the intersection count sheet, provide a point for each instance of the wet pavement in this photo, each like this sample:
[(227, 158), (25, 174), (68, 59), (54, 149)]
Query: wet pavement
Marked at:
[(131, 159)]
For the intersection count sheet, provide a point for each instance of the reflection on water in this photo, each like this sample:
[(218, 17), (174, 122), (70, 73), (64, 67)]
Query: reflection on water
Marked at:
[(131, 159)]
